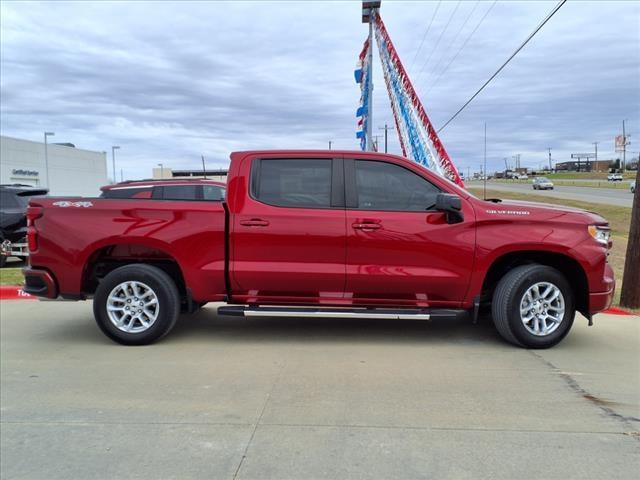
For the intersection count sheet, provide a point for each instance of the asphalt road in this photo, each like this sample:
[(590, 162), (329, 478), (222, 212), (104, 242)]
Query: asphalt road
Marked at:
[(231, 398), (609, 196)]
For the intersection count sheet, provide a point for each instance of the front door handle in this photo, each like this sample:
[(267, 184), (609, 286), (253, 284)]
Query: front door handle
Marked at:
[(366, 226), (254, 222)]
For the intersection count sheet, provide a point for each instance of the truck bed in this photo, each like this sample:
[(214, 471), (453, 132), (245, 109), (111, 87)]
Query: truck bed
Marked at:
[(77, 236)]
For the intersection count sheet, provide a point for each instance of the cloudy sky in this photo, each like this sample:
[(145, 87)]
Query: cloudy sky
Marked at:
[(169, 81)]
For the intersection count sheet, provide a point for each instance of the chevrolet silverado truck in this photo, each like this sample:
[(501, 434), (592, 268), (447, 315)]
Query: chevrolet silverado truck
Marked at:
[(335, 234)]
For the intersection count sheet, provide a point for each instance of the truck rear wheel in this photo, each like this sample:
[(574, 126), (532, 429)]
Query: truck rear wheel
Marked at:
[(533, 306), (136, 304)]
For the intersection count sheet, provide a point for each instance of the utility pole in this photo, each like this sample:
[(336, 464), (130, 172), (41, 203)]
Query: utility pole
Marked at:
[(550, 166), (204, 169), (630, 294), (506, 164), (121, 175), (485, 161), (386, 129), (375, 142), (468, 173), (330, 144)]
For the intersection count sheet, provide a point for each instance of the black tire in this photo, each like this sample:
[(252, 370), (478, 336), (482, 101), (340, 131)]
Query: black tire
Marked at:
[(505, 307), (3, 261), (168, 303)]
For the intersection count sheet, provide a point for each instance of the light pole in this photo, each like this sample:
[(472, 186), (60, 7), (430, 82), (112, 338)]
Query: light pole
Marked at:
[(113, 160), (330, 142), (46, 156), (161, 170)]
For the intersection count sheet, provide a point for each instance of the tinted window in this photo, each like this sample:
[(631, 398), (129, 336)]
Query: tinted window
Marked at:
[(294, 183), (213, 192), (180, 192), (139, 192), (8, 200), (385, 186)]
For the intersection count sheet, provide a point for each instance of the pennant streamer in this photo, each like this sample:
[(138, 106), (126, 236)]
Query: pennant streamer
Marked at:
[(418, 138)]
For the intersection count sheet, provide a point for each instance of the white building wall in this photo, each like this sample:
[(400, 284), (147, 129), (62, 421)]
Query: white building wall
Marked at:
[(72, 171)]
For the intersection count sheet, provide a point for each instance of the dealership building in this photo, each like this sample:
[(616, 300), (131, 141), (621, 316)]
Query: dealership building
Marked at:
[(164, 173), (71, 171)]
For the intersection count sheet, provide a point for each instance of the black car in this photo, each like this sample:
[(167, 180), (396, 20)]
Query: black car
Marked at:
[(14, 200)]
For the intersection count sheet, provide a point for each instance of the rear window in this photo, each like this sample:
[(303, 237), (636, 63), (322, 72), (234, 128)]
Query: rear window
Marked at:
[(213, 193), (133, 192), (302, 183), (8, 200), (180, 192)]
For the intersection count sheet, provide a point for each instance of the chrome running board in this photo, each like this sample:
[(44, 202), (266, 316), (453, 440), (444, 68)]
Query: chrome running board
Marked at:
[(359, 313)]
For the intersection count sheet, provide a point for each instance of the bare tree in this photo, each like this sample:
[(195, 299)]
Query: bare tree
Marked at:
[(630, 295)]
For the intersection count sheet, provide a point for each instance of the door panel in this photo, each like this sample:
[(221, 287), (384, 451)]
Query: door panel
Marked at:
[(410, 257), (289, 235)]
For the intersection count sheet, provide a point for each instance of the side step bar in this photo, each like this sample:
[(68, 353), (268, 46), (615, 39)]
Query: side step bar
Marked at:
[(361, 313)]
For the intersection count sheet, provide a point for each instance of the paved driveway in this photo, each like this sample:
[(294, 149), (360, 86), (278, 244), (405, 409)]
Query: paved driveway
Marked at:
[(283, 398)]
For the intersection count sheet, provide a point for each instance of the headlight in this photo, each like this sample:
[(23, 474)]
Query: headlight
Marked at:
[(600, 233)]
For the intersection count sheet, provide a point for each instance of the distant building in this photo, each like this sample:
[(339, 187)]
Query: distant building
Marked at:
[(584, 166), (72, 171), (219, 175)]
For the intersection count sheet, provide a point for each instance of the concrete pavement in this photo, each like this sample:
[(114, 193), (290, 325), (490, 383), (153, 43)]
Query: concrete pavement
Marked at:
[(608, 196), (224, 397)]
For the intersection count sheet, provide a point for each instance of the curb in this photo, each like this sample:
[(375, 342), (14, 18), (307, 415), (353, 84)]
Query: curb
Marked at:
[(617, 311), (14, 292)]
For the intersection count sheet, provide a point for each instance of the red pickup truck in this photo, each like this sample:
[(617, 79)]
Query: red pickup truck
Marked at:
[(323, 233)]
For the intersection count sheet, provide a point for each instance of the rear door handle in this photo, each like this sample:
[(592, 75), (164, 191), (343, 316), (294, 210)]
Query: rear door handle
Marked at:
[(366, 226), (254, 222)]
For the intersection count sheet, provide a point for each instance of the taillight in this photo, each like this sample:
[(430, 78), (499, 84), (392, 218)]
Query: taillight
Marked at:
[(33, 213)]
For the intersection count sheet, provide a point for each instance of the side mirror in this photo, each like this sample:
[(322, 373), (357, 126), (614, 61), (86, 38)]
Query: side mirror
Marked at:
[(451, 205)]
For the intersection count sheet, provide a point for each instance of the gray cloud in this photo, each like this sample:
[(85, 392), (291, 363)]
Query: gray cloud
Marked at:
[(171, 80)]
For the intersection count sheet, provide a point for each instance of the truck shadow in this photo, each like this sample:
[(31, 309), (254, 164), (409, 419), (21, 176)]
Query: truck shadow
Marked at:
[(206, 323)]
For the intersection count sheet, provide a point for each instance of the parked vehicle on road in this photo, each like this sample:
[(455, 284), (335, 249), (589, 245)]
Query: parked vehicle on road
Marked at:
[(182, 189), (632, 186), (523, 176), (323, 234), (542, 183), (14, 200), (614, 177)]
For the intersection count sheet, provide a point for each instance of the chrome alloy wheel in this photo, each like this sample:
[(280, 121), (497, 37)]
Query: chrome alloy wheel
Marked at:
[(542, 309), (132, 307)]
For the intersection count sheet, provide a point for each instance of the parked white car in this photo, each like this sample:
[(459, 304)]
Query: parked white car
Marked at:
[(614, 177), (632, 186)]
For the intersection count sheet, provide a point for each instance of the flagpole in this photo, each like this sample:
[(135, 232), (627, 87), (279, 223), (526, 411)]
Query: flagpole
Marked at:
[(369, 132)]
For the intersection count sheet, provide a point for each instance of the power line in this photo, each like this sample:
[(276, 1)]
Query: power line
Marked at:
[(455, 37), (548, 17), (464, 44), (439, 38), (425, 34)]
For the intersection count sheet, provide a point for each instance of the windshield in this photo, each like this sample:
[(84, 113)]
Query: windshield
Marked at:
[(542, 179)]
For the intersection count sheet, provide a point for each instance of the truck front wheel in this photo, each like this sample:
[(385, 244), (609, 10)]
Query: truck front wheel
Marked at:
[(136, 304), (533, 306)]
